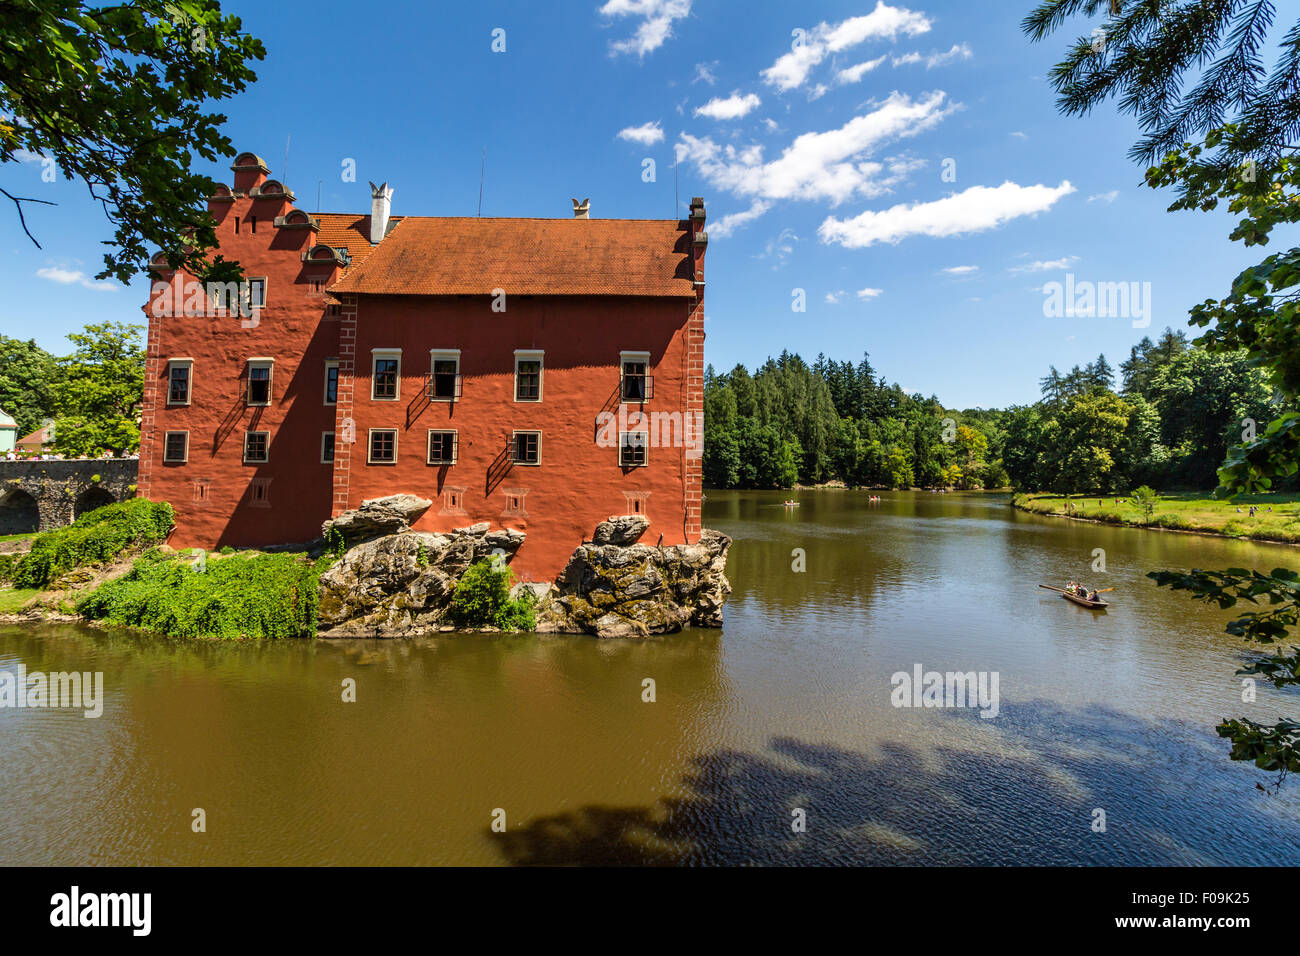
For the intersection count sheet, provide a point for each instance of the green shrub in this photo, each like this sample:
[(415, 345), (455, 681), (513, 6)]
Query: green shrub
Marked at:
[(265, 595), (95, 537), (482, 598), (335, 545), (7, 564)]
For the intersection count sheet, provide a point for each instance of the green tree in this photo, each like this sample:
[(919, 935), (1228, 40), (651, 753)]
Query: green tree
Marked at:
[(1090, 428), (27, 375), (100, 391), (1146, 499), (115, 95)]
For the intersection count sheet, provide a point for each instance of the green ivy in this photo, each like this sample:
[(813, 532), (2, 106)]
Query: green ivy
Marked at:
[(97, 536), (482, 599), (259, 596)]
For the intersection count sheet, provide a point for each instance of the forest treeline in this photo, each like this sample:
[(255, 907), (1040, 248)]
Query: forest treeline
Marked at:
[(1166, 419)]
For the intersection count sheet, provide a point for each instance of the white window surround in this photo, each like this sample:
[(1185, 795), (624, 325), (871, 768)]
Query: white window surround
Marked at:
[(428, 445), (330, 364), (257, 461), (176, 461), (370, 439), (267, 363), (529, 355), (645, 449), (189, 386), (526, 431), (375, 356), (443, 355), (623, 359)]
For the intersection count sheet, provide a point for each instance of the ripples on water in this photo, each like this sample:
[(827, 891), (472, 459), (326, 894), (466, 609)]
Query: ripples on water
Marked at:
[(787, 708)]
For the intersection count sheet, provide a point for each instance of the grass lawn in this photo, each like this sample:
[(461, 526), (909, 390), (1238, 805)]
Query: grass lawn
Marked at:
[(1185, 512), (17, 537), (12, 600)]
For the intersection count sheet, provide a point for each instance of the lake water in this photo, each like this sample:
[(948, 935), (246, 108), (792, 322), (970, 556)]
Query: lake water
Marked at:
[(785, 709)]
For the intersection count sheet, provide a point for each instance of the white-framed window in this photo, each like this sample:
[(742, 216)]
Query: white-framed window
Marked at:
[(255, 287), (327, 448), (259, 381), (180, 380), (526, 448), (443, 445), (385, 375), (528, 375), (635, 383), (633, 449), (331, 381), (257, 448), (381, 447), (176, 447), (444, 375)]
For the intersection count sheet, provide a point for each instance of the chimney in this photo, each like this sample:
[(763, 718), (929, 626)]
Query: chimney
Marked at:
[(381, 202), (582, 210)]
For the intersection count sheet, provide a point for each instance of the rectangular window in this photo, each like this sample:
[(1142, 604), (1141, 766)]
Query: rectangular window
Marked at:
[(255, 289), (442, 448), (383, 446), (386, 376), (331, 381), (178, 381), (636, 385), (526, 448), (257, 447), (632, 448), (259, 381), (444, 375), (326, 448), (176, 447), (528, 376)]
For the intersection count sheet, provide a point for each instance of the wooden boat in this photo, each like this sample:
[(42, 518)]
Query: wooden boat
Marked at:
[(1096, 605)]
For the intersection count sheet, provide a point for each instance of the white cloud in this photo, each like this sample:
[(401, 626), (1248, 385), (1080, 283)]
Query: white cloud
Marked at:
[(73, 277), (732, 107), (869, 293), (770, 125), (647, 134), (961, 270), (976, 209), (834, 298), (885, 22), (729, 224), (828, 165), (27, 156), (657, 17), (854, 74), (1045, 265), (704, 73), (779, 247), (1019, 135), (1107, 197), (959, 51)]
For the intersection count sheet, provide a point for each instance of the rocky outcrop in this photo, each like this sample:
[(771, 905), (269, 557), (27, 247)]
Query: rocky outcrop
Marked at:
[(377, 516), (401, 584), (633, 590), (621, 529)]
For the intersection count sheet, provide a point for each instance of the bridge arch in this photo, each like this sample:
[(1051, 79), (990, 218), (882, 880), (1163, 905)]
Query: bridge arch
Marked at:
[(19, 512), (93, 497)]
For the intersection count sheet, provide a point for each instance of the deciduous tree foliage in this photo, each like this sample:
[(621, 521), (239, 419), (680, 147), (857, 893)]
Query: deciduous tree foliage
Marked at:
[(27, 376), (116, 96), (100, 391)]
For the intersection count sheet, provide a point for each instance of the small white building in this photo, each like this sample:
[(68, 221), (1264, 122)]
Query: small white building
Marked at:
[(8, 432)]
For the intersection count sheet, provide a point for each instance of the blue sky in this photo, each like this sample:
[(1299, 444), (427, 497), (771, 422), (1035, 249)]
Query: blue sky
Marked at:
[(860, 168)]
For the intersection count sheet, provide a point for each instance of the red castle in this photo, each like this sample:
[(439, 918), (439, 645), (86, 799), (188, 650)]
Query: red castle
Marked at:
[(536, 374)]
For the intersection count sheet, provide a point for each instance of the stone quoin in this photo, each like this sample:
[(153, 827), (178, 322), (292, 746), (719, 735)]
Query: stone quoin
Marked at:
[(473, 362)]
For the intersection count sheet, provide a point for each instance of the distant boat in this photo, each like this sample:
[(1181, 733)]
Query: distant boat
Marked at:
[(1078, 599), (792, 504)]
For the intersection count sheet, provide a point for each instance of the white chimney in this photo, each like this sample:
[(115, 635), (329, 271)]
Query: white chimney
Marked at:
[(582, 210), (381, 202)]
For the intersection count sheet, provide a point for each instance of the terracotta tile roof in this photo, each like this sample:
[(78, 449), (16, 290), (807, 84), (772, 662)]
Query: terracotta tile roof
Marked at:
[(346, 230), (472, 256)]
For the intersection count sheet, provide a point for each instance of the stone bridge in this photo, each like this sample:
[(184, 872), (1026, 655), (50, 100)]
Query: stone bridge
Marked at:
[(39, 495)]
